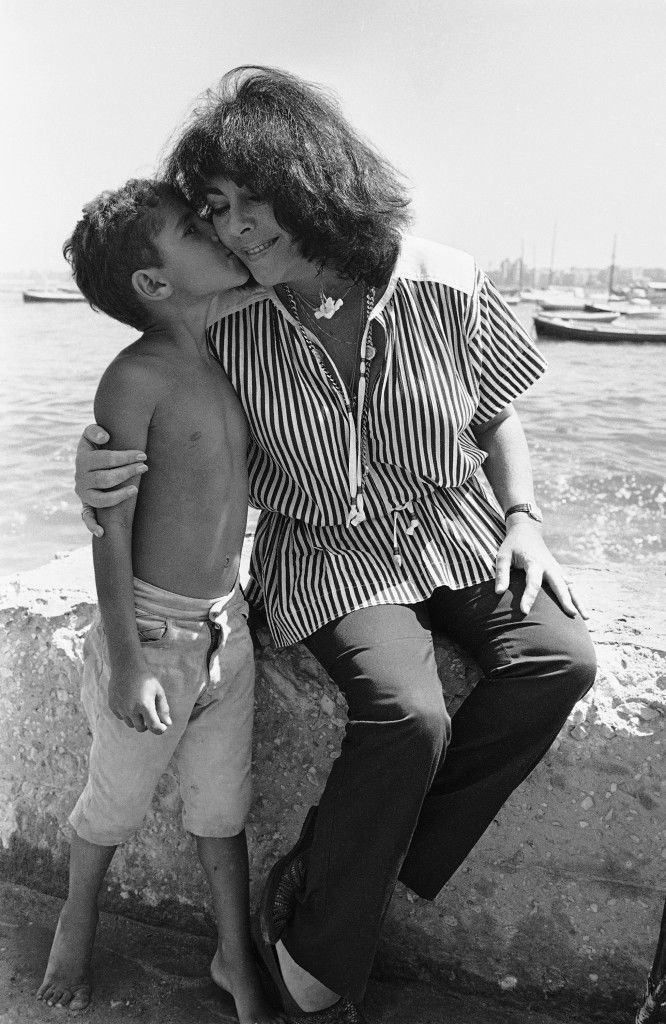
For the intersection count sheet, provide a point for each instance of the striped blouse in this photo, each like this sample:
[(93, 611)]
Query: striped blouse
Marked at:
[(455, 356)]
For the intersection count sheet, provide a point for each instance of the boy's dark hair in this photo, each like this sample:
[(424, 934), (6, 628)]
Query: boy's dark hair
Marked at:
[(115, 237), (287, 142)]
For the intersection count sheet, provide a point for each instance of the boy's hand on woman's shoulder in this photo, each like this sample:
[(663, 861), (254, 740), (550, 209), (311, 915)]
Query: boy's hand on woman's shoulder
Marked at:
[(138, 699)]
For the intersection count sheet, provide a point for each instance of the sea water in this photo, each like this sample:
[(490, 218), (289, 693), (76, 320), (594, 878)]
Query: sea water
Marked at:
[(595, 426)]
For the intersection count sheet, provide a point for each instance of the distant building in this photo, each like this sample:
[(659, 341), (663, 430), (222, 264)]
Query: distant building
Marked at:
[(510, 275)]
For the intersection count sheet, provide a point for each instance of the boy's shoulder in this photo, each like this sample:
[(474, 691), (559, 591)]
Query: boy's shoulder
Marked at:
[(136, 375), (148, 354)]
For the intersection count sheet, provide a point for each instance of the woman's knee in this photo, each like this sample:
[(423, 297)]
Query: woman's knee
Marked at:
[(573, 670), (405, 734), (559, 648), (427, 721), (579, 663), (561, 657), (413, 717), (396, 685)]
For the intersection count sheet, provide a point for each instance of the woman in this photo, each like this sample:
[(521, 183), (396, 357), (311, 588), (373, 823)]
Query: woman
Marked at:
[(377, 373)]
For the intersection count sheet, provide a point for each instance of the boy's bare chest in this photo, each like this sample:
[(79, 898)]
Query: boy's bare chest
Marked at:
[(199, 418)]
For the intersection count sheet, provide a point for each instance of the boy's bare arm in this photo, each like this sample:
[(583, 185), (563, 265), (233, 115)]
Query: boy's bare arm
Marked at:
[(125, 401)]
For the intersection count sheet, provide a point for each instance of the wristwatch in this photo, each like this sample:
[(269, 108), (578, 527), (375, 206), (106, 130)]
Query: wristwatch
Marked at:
[(533, 511)]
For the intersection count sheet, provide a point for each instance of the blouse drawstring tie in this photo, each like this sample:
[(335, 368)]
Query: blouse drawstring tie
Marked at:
[(413, 523)]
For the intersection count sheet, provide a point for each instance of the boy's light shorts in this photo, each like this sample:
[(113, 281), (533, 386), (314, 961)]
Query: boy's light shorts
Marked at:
[(201, 652)]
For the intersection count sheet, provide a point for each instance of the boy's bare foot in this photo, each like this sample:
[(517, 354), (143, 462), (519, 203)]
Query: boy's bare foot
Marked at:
[(237, 974), (67, 978)]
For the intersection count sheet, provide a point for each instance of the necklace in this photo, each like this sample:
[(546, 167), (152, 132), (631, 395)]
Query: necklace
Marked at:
[(328, 306), (356, 368), (309, 314), (356, 513), (356, 411)]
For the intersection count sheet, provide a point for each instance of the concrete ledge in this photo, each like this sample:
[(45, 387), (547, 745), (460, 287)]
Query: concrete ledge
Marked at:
[(561, 897)]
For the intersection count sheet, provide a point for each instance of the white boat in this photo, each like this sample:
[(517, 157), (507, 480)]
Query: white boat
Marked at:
[(562, 302), (53, 295), (640, 310), (596, 316)]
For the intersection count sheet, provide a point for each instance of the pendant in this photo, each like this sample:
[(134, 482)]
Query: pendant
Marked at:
[(327, 308)]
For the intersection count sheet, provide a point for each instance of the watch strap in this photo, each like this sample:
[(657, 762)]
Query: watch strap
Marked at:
[(532, 511)]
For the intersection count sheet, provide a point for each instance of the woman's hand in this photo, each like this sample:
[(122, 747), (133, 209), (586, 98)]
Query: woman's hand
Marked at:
[(524, 548), (100, 475)]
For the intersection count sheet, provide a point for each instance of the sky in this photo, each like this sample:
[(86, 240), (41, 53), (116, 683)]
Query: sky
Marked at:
[(508, 117)]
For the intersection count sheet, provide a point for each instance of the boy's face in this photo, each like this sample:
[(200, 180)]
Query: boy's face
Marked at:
[(193, 259)]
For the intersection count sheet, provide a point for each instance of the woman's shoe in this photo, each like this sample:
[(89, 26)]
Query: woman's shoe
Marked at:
[(285, 881), (341, 1012), (650, 1010)]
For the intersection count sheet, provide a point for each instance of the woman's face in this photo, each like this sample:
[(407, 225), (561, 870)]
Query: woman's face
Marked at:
[(247, 226)]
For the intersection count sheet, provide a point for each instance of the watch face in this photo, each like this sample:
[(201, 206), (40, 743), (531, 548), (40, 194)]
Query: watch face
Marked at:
[(533, 511)]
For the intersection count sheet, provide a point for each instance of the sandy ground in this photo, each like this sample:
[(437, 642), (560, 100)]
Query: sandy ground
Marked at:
[(146, 974)]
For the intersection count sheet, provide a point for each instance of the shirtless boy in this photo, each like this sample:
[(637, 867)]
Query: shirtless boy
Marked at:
[(169, 669)]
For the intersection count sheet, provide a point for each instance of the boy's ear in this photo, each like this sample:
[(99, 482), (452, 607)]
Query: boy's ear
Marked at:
[(151, 284)]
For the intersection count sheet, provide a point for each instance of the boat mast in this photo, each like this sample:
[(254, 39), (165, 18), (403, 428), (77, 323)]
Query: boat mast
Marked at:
[(611, 272), (552, 255)]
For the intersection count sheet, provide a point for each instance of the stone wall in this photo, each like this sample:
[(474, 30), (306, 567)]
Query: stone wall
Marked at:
[(562, 896)]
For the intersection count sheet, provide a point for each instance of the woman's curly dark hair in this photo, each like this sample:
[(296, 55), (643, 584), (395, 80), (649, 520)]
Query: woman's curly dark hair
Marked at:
[(287, 142)]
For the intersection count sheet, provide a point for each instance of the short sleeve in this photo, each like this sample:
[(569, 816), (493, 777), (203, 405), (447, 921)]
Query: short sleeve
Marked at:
[(505, 359)]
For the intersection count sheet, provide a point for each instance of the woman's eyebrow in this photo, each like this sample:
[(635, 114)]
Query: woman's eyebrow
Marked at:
[(211, 189)]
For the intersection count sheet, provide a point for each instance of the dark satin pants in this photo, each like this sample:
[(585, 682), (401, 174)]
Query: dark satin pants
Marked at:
[(410, 794)]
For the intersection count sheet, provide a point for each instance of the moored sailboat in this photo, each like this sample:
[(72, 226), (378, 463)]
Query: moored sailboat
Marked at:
[(53, 295), (581, 330)]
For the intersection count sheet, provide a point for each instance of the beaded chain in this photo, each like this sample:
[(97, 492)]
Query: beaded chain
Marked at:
[(358, 446)]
